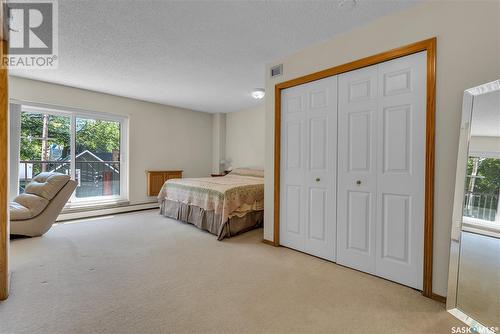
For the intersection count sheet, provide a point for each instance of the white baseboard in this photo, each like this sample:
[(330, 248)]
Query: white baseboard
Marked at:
[(106, 211)]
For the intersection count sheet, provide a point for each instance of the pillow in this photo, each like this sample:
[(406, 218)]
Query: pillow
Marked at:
[(47, 185), (256, 172)]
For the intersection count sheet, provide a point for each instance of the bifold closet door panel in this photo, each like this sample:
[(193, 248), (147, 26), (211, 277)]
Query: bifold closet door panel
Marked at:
[(381, 154), (321, 170), (357, 164), (401, 177), (293, 148), (308, 167)]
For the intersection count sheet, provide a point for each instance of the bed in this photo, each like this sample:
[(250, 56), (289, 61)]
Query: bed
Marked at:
[(224, 206)]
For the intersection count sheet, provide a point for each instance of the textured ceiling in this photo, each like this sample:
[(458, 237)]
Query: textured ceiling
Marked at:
[(201, 55)]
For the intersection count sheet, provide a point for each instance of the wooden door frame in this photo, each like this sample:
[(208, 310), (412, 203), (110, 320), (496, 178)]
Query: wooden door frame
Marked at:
[(4, 165), (428, 45)]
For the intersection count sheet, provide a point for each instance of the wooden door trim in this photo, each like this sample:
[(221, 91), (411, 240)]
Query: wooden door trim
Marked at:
[(4, 158), (428, 45)]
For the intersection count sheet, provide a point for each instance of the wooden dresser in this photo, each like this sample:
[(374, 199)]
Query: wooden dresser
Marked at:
[(156, 179)]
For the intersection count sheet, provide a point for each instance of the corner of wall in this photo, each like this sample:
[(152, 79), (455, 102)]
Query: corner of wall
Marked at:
[(218, 141)]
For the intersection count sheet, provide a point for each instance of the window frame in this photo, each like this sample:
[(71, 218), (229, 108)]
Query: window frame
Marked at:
[(74, 113)]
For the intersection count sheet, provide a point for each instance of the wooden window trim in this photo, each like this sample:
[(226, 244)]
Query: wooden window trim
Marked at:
[(428, 45)]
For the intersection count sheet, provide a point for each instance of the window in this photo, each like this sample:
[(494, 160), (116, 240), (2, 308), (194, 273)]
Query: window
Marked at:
[(88, 146), (97, 160), (44, 145), (482, 193)]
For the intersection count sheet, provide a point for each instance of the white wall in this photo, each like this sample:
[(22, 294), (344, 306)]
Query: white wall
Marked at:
[(245, 137), (160, 137), (468, 54)]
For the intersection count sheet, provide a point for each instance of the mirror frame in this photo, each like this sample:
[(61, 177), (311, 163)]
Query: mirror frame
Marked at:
[(456, 226)]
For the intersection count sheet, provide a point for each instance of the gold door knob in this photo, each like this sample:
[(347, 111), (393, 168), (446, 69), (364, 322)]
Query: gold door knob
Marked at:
[(358, 182), (318, 179)]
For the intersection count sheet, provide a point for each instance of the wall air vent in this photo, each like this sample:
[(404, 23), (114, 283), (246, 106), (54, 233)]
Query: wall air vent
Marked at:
[(276, 70)]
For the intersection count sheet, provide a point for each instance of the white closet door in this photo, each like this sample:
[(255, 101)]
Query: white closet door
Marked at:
[(308, 168), (293, 148), (357, 153), (401, 177), (381, 169)]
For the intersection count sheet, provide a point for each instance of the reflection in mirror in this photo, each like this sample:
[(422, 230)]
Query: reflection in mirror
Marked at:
[(478, 292), (475, 249), (482, 181)]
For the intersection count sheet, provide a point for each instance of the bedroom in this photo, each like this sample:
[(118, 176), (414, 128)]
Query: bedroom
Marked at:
[(179, 92)]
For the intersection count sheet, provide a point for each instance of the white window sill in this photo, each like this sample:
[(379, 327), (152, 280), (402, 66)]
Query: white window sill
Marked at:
[(480, 226)]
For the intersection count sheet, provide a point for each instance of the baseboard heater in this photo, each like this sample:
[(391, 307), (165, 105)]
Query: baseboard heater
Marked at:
[(104, 211)]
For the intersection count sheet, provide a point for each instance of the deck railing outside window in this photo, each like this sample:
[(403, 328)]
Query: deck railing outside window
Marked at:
[(481, 206), (94, 178)]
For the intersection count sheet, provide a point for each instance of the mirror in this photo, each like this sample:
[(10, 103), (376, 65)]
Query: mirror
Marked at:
[(474, 278)]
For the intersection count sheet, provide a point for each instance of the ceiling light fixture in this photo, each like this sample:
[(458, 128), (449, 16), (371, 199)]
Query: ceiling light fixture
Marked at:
[(258, 93), (348, 4)]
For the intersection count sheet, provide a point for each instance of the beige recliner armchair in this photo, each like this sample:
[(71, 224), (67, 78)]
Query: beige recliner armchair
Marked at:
[(33, 213)]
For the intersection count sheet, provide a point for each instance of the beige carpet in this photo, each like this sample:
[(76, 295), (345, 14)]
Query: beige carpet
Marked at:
[(143, 273)]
